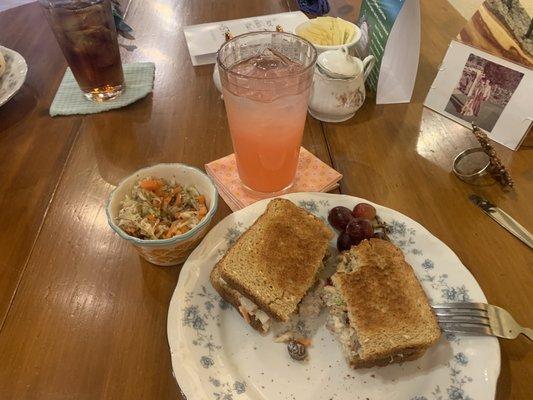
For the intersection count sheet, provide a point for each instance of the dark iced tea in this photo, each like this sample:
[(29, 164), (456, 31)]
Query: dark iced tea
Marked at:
[(86, 33)]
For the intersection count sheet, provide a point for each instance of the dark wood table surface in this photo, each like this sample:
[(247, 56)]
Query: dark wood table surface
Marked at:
[(83, 317)]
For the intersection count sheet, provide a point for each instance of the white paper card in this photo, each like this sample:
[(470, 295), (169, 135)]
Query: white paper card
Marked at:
[(475, 86), (399, 65), (204, 40)]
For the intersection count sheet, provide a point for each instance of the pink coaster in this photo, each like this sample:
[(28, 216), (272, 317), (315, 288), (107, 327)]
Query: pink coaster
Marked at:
[(312, 176)]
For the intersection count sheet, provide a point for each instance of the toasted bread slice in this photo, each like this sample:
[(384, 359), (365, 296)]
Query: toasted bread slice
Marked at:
[(387, 307), (232, 297), (357, 362), (275, 262)]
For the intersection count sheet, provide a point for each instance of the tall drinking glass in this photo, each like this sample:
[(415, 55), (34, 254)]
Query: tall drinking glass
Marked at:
[(85, 31), (266, 78)]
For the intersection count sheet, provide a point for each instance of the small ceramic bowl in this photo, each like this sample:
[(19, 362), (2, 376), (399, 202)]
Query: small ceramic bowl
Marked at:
[(320, 49), (166, 252)]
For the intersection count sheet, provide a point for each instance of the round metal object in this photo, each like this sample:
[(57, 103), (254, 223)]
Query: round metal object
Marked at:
[(472, 166)]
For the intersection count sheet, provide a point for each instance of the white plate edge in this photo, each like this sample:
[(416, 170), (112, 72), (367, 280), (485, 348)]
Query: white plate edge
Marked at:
[(15, 90), (184, 377)]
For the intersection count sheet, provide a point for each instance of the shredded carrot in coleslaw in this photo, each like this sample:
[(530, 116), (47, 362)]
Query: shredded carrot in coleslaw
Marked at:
[(160, 209)]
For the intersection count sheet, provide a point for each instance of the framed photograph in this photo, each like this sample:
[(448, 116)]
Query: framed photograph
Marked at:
[(476, 87)]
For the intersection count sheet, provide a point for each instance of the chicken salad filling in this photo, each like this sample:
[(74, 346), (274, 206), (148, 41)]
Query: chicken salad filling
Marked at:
[(248, 308), (338, 321)]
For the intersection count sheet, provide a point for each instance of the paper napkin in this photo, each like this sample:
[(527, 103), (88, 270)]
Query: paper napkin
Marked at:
[(204, 40), (312, 175)]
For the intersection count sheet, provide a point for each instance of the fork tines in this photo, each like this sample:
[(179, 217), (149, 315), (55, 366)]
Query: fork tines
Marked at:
[(470, 306), (470, 318)]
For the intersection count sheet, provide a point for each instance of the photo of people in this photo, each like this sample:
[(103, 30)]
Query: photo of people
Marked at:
[(483, 91)]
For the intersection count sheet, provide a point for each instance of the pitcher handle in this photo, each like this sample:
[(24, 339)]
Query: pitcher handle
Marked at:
[(344, 49), (368, 64)]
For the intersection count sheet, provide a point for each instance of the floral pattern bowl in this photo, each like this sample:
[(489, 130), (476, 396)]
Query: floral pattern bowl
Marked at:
[(166, 252), (14, 76), (216, 355)]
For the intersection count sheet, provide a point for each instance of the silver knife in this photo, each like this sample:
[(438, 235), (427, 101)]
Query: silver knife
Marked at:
[(504, 219)]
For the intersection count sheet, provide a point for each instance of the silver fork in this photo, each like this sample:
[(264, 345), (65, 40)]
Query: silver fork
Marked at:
[(479, 319)]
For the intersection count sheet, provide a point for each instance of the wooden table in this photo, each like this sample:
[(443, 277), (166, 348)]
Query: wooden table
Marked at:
[(83, 317)]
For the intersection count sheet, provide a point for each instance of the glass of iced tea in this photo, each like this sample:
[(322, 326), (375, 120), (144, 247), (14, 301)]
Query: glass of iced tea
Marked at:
[(85, 31), (266, 79)]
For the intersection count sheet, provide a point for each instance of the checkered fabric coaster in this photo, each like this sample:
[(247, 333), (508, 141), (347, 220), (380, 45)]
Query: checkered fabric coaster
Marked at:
[(69, 99)]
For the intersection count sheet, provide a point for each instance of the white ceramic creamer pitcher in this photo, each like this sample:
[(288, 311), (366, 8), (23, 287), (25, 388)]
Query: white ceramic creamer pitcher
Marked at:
[(338, 89)]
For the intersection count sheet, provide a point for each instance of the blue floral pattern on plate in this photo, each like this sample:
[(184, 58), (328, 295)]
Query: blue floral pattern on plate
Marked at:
[(14, 76), (198, 317), (455, 391), (199, 321)]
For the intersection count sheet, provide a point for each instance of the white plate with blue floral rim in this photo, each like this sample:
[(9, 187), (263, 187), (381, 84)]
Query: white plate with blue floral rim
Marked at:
[(14, 76), (216, 355)]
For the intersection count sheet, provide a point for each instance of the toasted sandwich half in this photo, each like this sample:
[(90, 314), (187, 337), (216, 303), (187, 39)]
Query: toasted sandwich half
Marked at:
[(270, 268), (377, 308)]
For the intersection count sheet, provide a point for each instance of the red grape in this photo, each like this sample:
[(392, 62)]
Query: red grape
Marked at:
[(364, 210), (360, 229), (339, 217), (344, 242)]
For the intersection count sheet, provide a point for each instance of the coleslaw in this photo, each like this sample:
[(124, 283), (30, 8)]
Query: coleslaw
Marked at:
[(160, 209)]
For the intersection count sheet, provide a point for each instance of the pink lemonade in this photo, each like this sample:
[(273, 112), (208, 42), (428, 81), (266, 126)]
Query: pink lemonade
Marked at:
[(266, 119), (267, 139)]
